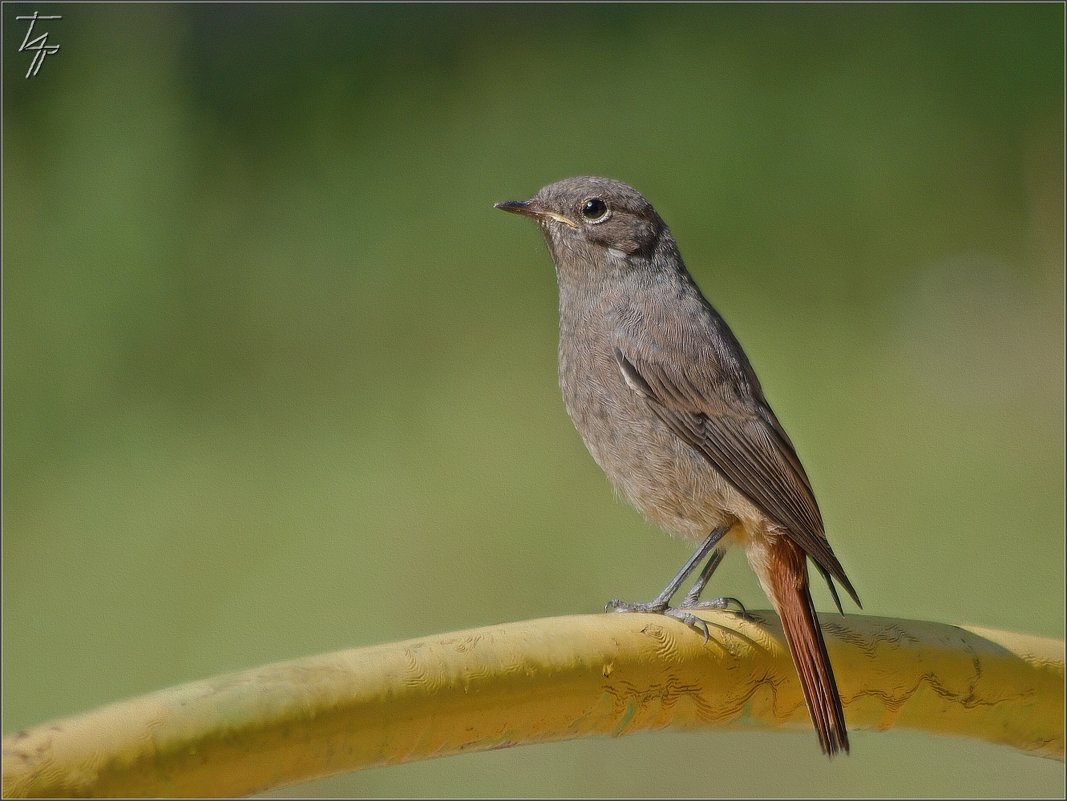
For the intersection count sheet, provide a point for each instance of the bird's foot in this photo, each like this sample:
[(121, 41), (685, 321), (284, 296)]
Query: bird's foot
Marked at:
[(654, 607), (690, 602), (661, 608)]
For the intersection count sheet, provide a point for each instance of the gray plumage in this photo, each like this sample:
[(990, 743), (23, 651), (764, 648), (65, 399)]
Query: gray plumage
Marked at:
[(667, 403)]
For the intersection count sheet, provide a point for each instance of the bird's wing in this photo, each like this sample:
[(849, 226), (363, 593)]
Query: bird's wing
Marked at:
[(740, 436)]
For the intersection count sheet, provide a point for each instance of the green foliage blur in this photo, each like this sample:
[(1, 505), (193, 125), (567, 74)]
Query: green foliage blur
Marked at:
[(278, 380)]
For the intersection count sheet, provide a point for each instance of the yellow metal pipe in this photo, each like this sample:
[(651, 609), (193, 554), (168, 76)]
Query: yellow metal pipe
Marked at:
[(536, 681)]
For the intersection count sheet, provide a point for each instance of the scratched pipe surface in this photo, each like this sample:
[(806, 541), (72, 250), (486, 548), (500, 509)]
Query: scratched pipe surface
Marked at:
[(536, 681)]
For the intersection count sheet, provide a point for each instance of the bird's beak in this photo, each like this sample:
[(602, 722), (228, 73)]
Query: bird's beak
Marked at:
[(533, 210)]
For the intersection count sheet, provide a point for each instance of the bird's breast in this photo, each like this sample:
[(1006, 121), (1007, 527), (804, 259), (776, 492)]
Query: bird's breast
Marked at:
[(668, 481)]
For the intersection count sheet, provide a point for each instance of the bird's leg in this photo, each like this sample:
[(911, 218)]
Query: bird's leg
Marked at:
[(660, 604), (692, 598)]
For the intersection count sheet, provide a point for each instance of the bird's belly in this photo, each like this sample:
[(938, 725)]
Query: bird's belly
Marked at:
[(668, 481)]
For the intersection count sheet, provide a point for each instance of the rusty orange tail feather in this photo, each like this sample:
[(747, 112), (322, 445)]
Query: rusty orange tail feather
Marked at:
[(788, 581)]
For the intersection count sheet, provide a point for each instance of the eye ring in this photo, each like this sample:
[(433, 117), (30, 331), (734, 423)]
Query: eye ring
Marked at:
[(595, 210)]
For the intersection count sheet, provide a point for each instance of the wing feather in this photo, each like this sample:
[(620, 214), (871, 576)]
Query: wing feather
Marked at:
[(743, 440)]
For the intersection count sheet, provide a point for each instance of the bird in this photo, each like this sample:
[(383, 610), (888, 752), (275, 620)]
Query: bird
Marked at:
[(669, 406)]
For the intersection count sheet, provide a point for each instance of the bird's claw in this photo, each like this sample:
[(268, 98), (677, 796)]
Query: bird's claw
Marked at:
[(716, 603), (653, 607), (690, 620), (615, 605)]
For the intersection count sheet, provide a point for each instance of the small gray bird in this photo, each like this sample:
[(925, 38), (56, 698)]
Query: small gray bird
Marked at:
[(670, 408)]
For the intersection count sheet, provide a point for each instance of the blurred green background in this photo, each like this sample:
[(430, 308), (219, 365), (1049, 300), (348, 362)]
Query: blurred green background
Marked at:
[(278, 380)]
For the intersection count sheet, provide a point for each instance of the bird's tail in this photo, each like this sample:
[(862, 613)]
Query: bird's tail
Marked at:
[(788, 585)]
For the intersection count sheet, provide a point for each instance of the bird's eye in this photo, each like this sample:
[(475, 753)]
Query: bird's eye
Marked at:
[(595, 210)]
